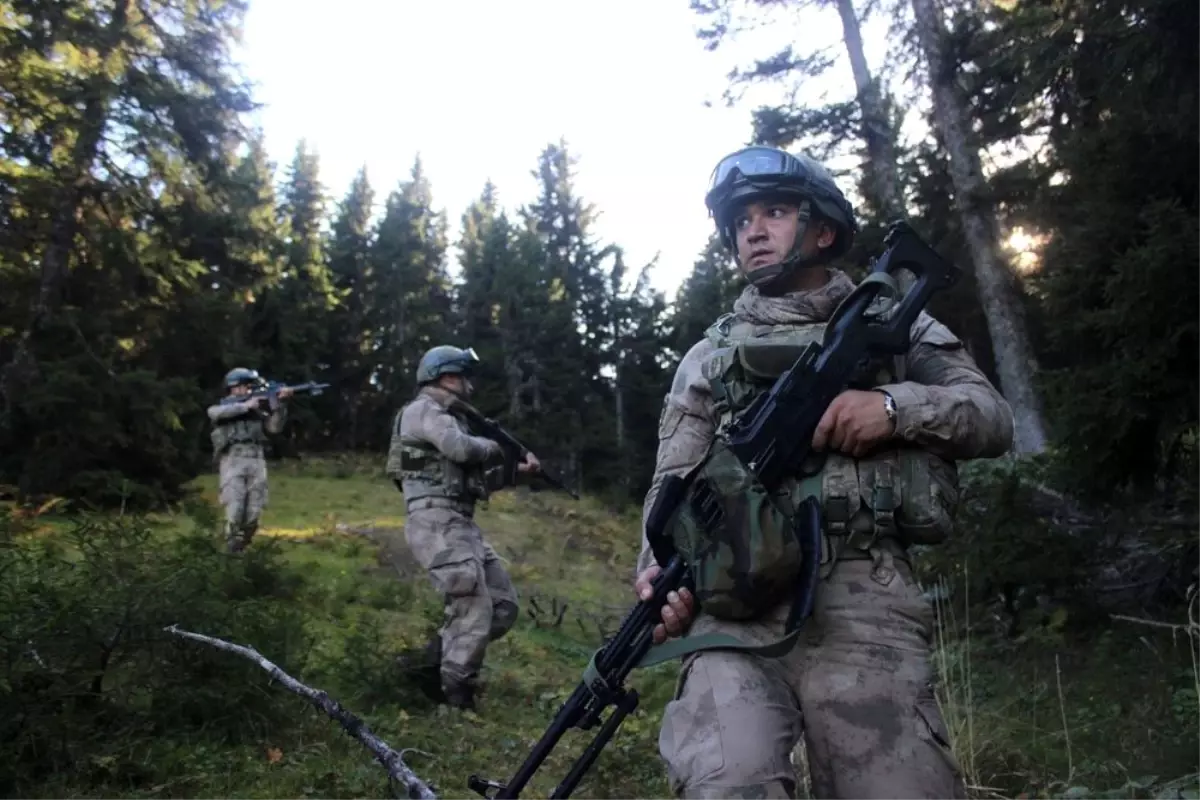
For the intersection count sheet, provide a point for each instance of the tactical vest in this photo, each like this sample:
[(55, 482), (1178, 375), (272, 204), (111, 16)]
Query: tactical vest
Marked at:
[(423, 471), (245, 429), (752, 561)]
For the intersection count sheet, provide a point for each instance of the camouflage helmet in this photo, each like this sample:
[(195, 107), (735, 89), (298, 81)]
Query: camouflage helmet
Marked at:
[(755, 172), (445, 360), (240, 375)]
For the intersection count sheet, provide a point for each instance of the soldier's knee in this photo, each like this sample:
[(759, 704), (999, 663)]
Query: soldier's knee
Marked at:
[(504, 616), (456, 578), (727, 732)]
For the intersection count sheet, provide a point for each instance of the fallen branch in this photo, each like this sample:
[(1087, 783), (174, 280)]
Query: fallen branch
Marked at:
[(392, 761), (1192, 627)]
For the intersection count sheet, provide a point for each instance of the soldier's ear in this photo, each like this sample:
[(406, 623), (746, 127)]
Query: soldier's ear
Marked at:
[(825, 234)]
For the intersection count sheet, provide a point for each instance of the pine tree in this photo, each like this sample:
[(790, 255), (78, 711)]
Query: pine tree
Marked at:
[(351, 353)]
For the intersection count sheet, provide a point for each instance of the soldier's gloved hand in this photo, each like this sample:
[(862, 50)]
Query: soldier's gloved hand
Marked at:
[(855, 422), (258, 402), (530, 464), (676, 614)]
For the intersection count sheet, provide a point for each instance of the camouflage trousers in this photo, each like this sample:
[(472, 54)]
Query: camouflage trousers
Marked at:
[(858, 687), (243, 476), (480, 600)]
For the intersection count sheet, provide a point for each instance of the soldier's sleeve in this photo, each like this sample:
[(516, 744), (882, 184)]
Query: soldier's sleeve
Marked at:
[(685, 429), (218, 412), (435, 425), (946, 404)]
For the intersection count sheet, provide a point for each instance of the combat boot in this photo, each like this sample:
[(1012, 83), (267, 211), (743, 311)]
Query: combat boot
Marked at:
[(234, 544), (460, 696), (424, 666)]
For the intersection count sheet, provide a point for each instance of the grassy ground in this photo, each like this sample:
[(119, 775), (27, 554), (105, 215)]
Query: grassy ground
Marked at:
[(335, 525), (1051, 714)]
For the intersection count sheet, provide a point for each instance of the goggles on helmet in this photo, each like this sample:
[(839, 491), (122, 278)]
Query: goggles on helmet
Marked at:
[(761, 167), (467, 360)]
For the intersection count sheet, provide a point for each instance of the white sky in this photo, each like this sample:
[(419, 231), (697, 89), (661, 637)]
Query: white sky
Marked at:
[(479, 87)]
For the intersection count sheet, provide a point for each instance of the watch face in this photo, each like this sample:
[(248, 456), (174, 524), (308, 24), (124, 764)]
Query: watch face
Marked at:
[(889, 405)]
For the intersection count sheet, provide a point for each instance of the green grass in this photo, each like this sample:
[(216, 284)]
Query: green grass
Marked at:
[(1053, 713), (361, 612)]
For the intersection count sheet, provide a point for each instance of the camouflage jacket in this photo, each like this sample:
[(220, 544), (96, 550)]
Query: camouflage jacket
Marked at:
[(458, 470), (945, 404), (241, 423)]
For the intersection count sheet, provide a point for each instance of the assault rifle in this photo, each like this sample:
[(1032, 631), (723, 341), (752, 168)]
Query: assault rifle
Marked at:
[(271, 389), (773, 439), (514, 451)]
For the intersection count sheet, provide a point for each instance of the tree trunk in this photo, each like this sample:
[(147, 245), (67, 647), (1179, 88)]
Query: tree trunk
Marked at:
[(622, 450), (1015, 362), (64, 224), (513, 372), (876, 129)]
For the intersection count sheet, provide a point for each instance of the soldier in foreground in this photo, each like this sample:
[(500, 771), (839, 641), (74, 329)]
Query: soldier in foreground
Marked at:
[(443, 471), (239, 432), (857, 682)]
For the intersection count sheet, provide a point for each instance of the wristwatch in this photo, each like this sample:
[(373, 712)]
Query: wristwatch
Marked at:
[(889, 406)]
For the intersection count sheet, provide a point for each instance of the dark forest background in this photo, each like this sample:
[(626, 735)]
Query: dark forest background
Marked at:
[(147, 246)]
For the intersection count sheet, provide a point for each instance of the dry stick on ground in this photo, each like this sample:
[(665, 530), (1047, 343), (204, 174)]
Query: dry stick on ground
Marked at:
[(1191, 629), (392, 761)]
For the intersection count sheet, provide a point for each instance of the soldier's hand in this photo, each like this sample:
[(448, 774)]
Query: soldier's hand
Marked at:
[(676, 614), (530, 464), (285, 393), (258, 402), (855, 422)]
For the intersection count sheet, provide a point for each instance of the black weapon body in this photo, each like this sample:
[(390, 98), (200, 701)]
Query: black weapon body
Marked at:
[(515, 451), (271, 389)]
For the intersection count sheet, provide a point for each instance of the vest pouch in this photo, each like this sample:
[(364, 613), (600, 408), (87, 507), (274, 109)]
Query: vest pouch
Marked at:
[(931, 497), (454, 479), (395, 458), (883, 491), (906, 493), (841, 495), (742, 547), (764, 360)]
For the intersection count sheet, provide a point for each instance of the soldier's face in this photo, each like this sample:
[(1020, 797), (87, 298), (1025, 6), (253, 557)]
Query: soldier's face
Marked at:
[(458, 384), (240, 390), (767, 231)]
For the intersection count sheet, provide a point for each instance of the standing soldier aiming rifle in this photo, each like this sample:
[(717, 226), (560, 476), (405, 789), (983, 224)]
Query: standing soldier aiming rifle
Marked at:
[(856, 681), (443, 470), (241, 422)]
